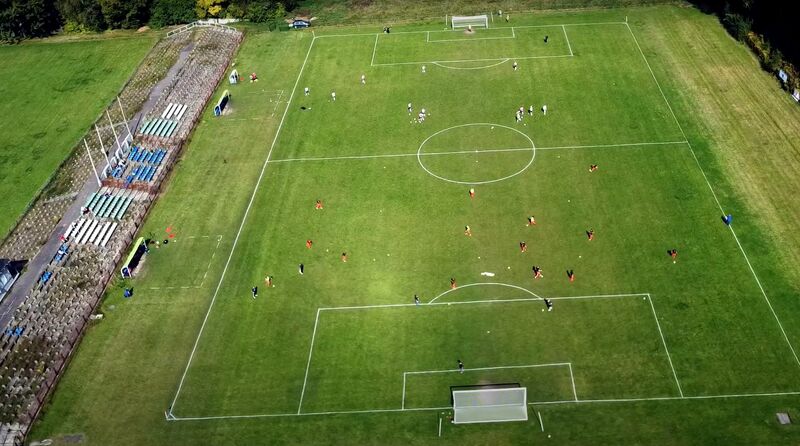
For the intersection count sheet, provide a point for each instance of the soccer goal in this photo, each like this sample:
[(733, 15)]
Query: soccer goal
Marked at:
[(470, 21), (490, 405)]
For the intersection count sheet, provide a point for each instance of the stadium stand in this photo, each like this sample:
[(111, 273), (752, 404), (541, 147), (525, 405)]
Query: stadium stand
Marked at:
[(43, 330)]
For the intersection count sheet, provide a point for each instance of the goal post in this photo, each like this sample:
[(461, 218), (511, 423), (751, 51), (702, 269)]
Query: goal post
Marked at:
[(475, 21), (490, 405)]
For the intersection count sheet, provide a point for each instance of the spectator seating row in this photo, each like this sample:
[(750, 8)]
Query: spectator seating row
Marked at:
[(106, 205), (174, 110), (141, 173), (141, 155), (91, 231), (162, 128), (63, 252)]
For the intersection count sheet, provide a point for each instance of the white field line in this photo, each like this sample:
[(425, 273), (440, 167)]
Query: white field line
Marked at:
[(485, 301), (208, 267), (493, 59), (627, 144), (463, 152), (541, 423), (668, 398), (564, 28), (663, 341), (239, 232), (556, 25), (572, 378), (211, 260), (705, 177), (525, 290), (512, 36), (477, 369), (472, 68), (171, 417), (403, 403), (308, 363), (374, 48), (277, 103)]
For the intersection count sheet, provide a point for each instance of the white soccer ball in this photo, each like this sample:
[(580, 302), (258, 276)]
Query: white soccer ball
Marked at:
[(580, 257), (508, 267)]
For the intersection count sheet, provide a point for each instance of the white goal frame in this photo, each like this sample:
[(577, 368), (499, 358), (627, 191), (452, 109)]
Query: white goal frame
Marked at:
[(461, 21), (490, 405)]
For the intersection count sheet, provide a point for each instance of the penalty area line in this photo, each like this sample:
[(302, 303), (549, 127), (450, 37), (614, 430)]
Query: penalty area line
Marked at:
[(664, 342)]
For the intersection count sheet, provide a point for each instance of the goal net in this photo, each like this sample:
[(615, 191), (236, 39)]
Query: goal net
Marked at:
[(490, 405), (472, 20)]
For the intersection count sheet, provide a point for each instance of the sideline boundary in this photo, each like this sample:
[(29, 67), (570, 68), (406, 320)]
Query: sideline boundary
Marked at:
[(714, 194), (554, 25), (239, 232)]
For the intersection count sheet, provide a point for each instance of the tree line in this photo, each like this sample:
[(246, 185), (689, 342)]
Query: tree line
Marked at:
[(768, 27), (25, 19)]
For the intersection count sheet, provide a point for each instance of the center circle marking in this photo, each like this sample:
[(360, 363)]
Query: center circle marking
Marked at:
[(450, 180)]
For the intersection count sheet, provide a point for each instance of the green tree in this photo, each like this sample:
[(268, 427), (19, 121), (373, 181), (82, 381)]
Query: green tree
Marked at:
[(210, 8), (265, 11), (172, 12), (82, 14), (23, 19), (125, 13)]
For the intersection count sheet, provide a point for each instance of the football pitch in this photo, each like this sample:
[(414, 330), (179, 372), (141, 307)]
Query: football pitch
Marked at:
[(343, 336)]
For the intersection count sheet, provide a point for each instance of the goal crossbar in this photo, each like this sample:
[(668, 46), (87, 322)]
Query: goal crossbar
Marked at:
[(469, 21)]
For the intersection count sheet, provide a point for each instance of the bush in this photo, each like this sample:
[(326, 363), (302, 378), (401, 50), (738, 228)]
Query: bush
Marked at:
[(738, 25), (265, 11)]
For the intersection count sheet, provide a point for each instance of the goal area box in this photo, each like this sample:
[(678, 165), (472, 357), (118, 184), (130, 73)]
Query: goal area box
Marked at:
[(493, 404)]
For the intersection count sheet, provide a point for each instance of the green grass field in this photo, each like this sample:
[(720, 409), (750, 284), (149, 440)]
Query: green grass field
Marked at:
[(638, 349), (52, 92)]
